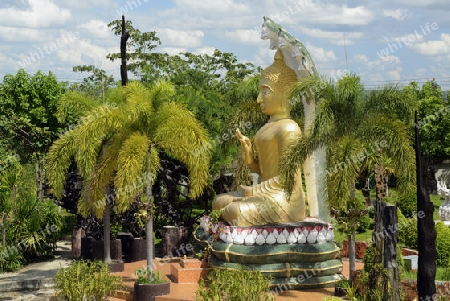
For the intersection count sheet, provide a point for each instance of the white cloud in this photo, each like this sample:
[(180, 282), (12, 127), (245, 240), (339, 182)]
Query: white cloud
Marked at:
[(98, 29), (398, 14), (360, 58), (41, 13), (319, 54), (84, 52), (205, 50), (217, 7), (244, 36), (264, 57), (424, 4), (378, 71), (29, 35), (89, 3), (395, 74), (327, 13), (434, 47), (332, 36), (180, 38)]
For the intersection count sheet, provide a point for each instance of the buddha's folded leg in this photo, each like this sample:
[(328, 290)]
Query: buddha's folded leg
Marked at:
[(233, 214), (223, 199)]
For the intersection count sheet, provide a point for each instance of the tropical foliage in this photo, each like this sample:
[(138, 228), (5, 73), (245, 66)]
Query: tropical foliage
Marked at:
[(356, 130), (83, 280), (122, 145), (238, 284), (434, 124), (27, 123), (207, 84)]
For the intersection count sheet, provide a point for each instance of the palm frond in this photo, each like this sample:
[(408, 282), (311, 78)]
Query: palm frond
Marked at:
[(58, 161), (342, 171), (74, 104), (390, 99), (161, 92), (92, 132), (138, 101), (248, 113), (132, 174), (394, 137), (295, 156), (96, 188), (182, 136), (115, 97)]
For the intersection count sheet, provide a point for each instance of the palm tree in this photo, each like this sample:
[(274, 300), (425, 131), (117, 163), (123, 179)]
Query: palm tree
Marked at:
[(122, 146), (352, 127)]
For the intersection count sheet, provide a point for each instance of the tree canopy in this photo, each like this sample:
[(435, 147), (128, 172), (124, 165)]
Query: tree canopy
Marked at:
[(28, 124)]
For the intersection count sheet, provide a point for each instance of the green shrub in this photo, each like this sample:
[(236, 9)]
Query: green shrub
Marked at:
[(364, 223), (35, 225), (442, 245), (11, 259), (86, 281), (369, 255), (145, 276), (407, 230), (238, 285), (443, 274), (407, 204)]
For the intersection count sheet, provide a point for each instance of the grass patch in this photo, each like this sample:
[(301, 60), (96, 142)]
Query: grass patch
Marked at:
[(442, 274), (339, 236), (437, 201), (69, 221)]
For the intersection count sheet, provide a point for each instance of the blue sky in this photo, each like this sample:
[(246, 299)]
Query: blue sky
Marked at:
[(386, 40)]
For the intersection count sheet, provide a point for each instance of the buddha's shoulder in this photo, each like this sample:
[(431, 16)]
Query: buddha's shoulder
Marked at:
[(288, 125)]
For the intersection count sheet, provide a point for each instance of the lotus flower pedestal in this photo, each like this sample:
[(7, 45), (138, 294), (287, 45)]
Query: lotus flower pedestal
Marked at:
[(296, 255)]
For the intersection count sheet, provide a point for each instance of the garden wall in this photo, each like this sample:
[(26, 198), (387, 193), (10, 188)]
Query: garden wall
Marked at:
[(409, 289), (361, 246)]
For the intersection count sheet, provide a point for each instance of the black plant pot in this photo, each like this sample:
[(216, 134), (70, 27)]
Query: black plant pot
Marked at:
[(339, 291), (126, 240), (115, 249), (148, 292), (86, 247), (138, 250)]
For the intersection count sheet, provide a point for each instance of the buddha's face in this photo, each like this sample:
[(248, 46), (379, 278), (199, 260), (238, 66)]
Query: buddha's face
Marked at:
[(270, 98)]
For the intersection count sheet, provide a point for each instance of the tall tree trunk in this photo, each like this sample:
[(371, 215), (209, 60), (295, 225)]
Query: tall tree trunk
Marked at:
[(391, 282), (378, 233), (39, 166), (426, 240), (351, 254), (3, 219), (14, 196), (106, 233), (123, 53), (149, 226)]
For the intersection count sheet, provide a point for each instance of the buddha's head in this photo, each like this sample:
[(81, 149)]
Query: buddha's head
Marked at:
[(275, 87)]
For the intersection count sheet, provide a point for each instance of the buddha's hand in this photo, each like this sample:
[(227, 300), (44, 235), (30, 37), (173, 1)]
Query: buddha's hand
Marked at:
[(247, 149), (246, 190)]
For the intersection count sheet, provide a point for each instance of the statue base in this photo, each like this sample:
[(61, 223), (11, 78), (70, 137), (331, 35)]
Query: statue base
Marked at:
[(299, 255)]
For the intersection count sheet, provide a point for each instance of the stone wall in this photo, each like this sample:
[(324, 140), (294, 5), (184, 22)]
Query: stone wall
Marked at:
[(361, 246), (409, 289), (360, 249)]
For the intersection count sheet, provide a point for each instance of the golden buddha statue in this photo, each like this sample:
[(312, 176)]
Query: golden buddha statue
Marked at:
[(267, 203)]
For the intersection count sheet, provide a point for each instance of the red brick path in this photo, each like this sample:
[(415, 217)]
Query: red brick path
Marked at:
[(186, 291)]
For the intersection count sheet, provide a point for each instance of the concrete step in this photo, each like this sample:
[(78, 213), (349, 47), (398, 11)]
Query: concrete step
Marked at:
[(32, 277)]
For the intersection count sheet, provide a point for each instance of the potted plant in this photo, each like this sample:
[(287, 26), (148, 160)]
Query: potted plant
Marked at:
[(340, 288), (149, 284)]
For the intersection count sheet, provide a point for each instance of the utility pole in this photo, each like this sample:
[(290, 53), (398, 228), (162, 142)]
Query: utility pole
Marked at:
[(123, 53), (426, 240)]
